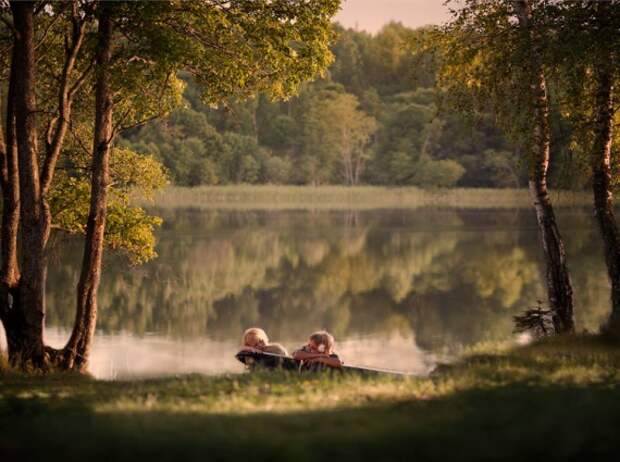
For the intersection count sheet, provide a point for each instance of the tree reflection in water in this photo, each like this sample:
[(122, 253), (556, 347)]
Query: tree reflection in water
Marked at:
[(394, 286)]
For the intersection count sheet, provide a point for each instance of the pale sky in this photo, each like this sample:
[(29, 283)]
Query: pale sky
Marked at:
[(370, 15)]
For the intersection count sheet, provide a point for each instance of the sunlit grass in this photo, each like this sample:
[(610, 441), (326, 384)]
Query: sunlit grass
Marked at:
[(495, 403), (583, 360), (259, 393), (577, 361), (358, 197), (580, 361)]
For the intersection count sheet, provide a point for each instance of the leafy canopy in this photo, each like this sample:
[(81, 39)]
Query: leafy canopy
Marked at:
[(233, 49)]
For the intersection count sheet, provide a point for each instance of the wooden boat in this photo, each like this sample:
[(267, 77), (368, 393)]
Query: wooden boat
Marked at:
[(255, 360), (266, 360)]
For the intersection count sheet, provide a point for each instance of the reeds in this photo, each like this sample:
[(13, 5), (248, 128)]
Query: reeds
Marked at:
[(357, 197)]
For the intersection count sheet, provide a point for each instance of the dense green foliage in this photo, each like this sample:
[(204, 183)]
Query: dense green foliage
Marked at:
[(483, 61), (372, 119), (270, 47), (554, 401), (129, 228), (583, 48)]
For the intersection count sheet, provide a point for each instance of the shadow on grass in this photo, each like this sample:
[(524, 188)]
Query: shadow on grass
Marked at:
[(516, 423)]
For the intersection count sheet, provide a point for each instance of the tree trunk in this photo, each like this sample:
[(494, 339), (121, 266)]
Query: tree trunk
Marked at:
[(359, 167), (55, 138), (78, 348), (9, 179), (29, 307), (348, 169), (559, 287), (9, 271), (601, 185)]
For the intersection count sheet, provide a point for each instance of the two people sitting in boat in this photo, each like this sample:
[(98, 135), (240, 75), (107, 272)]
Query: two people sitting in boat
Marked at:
[(317, 354)]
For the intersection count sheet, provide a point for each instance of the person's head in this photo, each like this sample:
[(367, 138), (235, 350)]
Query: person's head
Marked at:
[(255, 337), (321, 342), (276, 349)]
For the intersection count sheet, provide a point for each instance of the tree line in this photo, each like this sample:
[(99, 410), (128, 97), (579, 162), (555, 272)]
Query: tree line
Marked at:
[(372, 119)]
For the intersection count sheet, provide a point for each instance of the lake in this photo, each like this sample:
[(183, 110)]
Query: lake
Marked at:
[(400, 289)]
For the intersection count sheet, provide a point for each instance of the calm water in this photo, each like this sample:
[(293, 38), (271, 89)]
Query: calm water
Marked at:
[(398, 289)]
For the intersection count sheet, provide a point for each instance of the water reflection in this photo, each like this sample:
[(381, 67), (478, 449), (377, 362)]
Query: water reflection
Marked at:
[(395, 287)]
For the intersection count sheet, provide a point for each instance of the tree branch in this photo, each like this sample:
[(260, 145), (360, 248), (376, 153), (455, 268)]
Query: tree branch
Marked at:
[(122, 128), (79, 141), (48, 132), (65, 99), (49, 27), (40, 7), (81, 79)]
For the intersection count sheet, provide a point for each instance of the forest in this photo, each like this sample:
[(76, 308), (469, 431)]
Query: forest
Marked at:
[(374, 118)]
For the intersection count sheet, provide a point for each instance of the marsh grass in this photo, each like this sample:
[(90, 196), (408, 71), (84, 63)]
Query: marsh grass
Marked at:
[(557, 399), (342, 197)]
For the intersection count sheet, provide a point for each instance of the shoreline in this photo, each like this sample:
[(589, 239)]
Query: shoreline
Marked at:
[(273, 197)]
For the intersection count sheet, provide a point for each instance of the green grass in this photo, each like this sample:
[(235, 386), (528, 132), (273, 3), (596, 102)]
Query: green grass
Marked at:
[(358, 197), (557, 400)]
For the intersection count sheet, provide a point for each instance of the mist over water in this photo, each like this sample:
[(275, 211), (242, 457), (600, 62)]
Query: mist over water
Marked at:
[(397, 288)]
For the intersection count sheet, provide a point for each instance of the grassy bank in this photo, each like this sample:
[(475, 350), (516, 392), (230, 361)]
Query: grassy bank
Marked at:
[(359, 197), (559, 400)]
